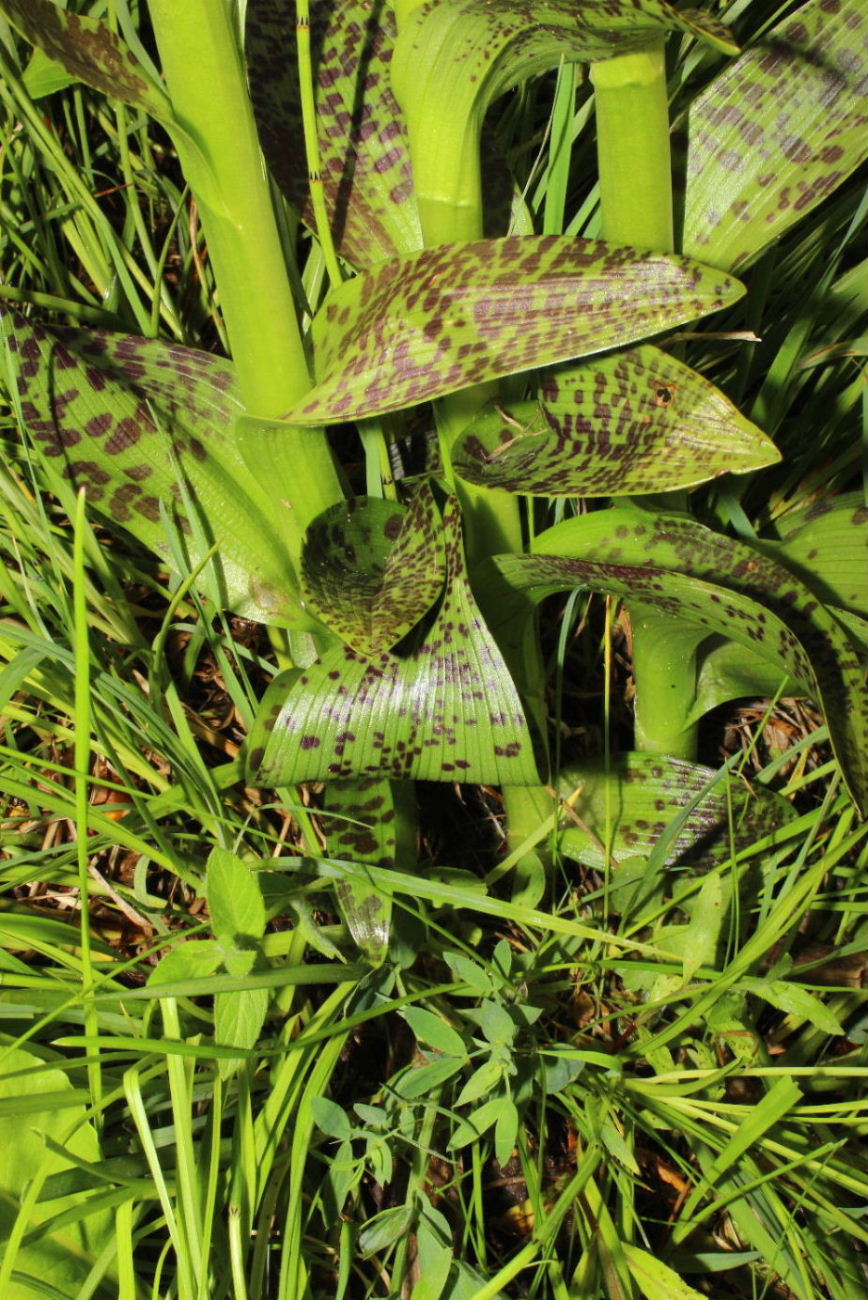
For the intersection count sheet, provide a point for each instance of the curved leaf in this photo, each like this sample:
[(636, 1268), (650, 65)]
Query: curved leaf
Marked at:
[(776, 132), (826, 545), (636, 421), (89, 51), (371, 568), (644, 797), (366, 172), (447, 712), (146, 426), (422, 326)]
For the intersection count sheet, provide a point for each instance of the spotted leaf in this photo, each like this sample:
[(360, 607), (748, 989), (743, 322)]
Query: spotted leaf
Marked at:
[(636, 421), (688, 573), (145, 426), (776, 132), (365, 166), (89, 51), (372, 568), (826, 544), (421, 326), (446, 712), (646, 800)]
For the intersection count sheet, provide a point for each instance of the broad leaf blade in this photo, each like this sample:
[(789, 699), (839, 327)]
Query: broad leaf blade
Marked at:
[(89, 51), (447, 712), (143, 426), (371, 568), (631, 422), (629, 807), (366, 172), (422, 326), (776, 132), (826, 545)]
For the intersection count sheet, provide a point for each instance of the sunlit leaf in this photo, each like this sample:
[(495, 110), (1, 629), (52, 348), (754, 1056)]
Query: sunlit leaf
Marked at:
[(635, 421), (143, 426), (88, 50), (234, 898), (422, 326), (366, 173), (826, 544), (448, 711), (371, 568), (777, 131), (627, 809)]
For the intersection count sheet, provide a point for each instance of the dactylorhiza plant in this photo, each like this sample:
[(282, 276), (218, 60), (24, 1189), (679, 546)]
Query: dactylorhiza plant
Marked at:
[(407, 616)]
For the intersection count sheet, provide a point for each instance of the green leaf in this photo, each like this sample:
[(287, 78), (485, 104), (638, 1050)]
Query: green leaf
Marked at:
[(433, 1253), (384, 1229), (365, 166), (506, 1131), (431, 1029), (496, 1023), (43, 75), (371, 568), (795, 1000), (192, 959), (482, 1081), (234, 899), (776, 132), (424, 325), (331, 1119), (642, 798), (425, 1079), (478, 1122), (691, 574), (466, 969), (656, 1280), (238, 1021), (359, 823), (89, 51), (826, 545), (60, 1256), (143, 427), (631, 422), (447, 711)]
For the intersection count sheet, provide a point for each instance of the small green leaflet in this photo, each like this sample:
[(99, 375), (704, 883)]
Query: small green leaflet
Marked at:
[(629, 422), (89, 51), (428, 324), (371, 568), (776, 132), (447, 711), (146, 426)]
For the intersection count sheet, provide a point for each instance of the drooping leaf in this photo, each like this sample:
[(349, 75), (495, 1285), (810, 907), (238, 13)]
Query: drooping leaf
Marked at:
[(421, 326), (643, 797), (448, 711), (776, 132), (366, 172), (89, 51), (143, 426), (702, 579), (826, 544), (371, 568), (635, 421)]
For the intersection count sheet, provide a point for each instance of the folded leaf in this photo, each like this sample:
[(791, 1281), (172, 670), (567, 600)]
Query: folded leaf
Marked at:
[(643, 797), (421, 326), (447, 712), (636, 421), (371, 568), (146, 426), (776, 132), (89, 50)]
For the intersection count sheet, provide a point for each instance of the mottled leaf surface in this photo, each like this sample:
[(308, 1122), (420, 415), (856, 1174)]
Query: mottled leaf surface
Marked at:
[(419, 327), (88, 50), (826, 544), (141, 424), (630, 422), (447, 712), (628, 808), (777, 131), (690, 573), (371, 568), (365, 165)]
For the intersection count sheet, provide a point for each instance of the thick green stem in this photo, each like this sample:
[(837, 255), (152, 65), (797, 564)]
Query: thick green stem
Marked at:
[(636, 207)]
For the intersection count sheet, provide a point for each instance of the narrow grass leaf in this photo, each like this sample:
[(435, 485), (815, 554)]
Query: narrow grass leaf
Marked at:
[(656, 1280), (422, 326), (634, 421)]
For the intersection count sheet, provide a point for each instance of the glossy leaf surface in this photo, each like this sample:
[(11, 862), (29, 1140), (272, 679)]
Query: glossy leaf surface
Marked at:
[(371, 568), (635, 421), (88, 50), (629, 808), (143, 425), (365, 166), (777, 131), (446, 712), (423, 326)]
